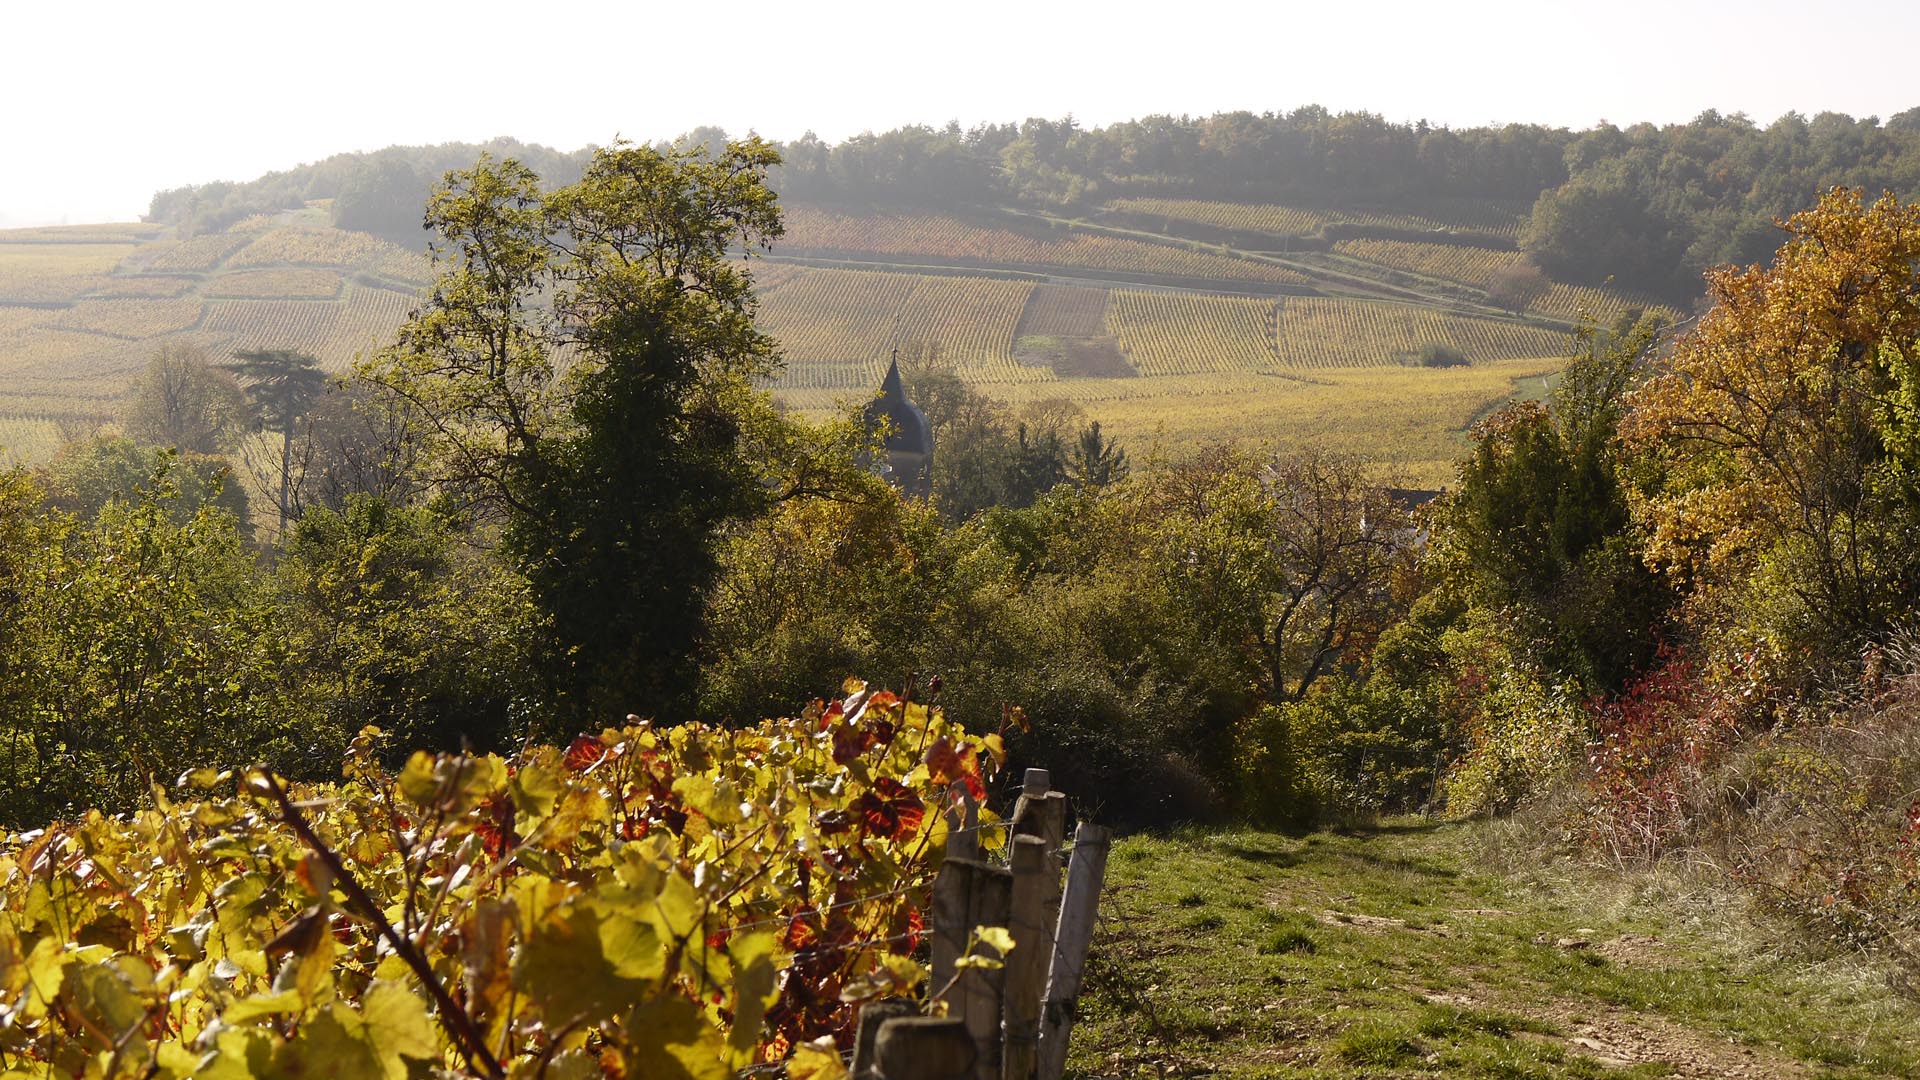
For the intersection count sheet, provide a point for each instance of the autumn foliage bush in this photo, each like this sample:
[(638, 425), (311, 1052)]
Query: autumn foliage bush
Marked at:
[(1653, 745), (1821, 820), (682, 901)]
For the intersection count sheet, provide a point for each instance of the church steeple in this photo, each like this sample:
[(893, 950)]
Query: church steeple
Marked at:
[(909, 440)]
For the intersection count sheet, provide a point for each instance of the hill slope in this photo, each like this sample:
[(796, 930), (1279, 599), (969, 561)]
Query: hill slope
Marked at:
[(1164, 335)]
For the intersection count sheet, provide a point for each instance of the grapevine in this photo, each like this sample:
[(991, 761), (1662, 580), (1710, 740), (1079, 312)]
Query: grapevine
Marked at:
[(687, 899)]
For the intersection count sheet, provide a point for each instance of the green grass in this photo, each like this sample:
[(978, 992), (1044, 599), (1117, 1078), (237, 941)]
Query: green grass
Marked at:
[(1394, 953)]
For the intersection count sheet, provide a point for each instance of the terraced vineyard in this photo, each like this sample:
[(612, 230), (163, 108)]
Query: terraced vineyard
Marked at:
[(1310, 332), (837, 327), (296, 283), (1132, 329), (130, 320), (1478, 267), (81, 309), (25, 438), (310, 247), (1473, 266), (936, 236), (1275, 220), (1182, 334), (198, 253), (1064, 311)]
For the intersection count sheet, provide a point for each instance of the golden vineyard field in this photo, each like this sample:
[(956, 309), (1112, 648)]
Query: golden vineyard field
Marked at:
[(1303, 221), (1477, 267), (82, 308), (1204, 364), (837, 328), (1312, 333), (949, 238)]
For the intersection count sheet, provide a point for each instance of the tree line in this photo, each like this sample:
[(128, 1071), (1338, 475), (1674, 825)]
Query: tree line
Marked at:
[(1649, 206)]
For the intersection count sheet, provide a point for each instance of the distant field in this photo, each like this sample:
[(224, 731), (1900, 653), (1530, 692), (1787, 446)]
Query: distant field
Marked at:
[(1183, 334), (837, 327), (1279, 221), (83, 307), (1478, 267), (129, 232), (1310, 332), (1410, 420), (297, 283), (941, 237), (1156, 364)]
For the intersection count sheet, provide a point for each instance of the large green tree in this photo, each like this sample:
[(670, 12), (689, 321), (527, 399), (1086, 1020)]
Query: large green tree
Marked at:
[(584, 367), (282, 386)]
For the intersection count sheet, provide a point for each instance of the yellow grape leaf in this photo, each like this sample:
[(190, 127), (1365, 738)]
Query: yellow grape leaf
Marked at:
[(671, 1039), (631, 947), (754, 990), (419, 780), (563, 967), (996, 936), (239, 1053), (175, 1060), (451, 782), (996, 748), (537, 787), (906, 971), (13, 960), (676, 911), (329, 1045), (816, 1060), (566, 1065), (715, 800), (975, 960), (895, 977), (106, 999), (249, 1009), (578, 807), (397, 1026), (46, 970)]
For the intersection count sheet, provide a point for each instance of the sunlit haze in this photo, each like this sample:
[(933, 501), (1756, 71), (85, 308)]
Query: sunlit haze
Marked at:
[(107, 103)]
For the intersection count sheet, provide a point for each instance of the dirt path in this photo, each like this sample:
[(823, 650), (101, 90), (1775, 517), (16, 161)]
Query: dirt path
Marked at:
[(1393, 954)]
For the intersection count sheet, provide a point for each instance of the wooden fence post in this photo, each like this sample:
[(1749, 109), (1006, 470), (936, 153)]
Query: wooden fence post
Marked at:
[(1085, 875), (1042, 812), (873, 1016), (963, 823), (1026, 972), (924, 1048), (967, 894)]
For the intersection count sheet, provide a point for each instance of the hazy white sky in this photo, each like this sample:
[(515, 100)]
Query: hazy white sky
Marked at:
[(101, 103)]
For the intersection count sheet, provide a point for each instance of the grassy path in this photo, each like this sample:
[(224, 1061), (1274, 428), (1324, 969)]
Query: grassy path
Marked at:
[(1391, 954)]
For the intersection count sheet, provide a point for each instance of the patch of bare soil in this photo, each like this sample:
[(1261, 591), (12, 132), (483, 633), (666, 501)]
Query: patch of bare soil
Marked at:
[(1638, 951), (1378, 923), (1619, 1038), (1076, 358)]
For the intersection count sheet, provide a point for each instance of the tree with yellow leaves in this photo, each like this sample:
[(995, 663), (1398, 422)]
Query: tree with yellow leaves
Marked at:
[(1784, 432)]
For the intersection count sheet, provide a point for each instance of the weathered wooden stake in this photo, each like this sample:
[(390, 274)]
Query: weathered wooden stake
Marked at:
[(967, 894), (924, 1048), (1034, 877), (1086, 873), (963, 824), (1042, 812), (873, 1016)]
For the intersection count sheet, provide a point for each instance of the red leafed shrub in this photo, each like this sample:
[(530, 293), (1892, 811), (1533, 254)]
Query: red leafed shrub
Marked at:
[(1651, 748)]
